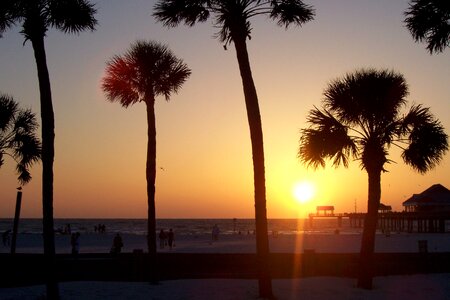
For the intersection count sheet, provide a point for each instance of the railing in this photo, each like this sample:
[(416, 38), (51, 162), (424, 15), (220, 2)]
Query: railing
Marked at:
[(329, 215)]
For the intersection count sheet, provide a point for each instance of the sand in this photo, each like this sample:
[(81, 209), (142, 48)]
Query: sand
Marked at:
[(421, 286), (431, 286), (294, 243)]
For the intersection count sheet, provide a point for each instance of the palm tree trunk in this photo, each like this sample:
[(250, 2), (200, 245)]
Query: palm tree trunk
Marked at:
[(48, 140), (151, 177), (256, 135), (370, 226)]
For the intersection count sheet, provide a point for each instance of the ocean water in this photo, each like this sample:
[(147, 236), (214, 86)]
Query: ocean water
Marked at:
[(182, 226)]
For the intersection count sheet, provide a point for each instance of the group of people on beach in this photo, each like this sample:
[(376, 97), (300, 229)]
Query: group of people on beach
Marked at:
[(64, 230), (100, 228), (166, 239)]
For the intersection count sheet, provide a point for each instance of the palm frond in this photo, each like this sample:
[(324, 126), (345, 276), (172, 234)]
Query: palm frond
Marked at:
[(416, 116), (18, 137), (231, 17), (9, 14), (288, 12), (428, 141), (367, 96), (163, 71), (173, 12), (72, 16), (232, 20), (429, 21), (146, 70), (311, 150), (25, 122), (24, 174), (8, 109), (119, 82), (27, 148), (326, 138), (173, 80)]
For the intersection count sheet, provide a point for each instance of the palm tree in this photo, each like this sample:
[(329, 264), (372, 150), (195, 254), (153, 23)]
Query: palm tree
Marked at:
[(36, 17), (18, 139), (361, 119), (429, 20), (144, 72), (233, 19)]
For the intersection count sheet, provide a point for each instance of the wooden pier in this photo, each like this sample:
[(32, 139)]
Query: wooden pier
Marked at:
[(326, 212), (422, 222)]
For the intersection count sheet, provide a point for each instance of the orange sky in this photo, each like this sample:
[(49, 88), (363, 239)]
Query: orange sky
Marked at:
[(203, 140)]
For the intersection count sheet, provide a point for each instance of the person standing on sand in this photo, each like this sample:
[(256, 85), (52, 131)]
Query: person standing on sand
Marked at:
[(117, 244), (215, 232), (75, 243), (170, 238), (6, 237), (162, 238)]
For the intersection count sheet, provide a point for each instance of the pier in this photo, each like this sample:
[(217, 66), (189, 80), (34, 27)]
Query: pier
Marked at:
[(421, 222), (326, 212)]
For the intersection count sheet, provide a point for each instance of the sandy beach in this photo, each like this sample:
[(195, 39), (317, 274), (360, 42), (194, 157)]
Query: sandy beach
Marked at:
[(416, 286), (234, 243)]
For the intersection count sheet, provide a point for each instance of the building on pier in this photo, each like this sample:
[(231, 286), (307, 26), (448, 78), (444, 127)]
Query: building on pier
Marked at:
[(434, 199)]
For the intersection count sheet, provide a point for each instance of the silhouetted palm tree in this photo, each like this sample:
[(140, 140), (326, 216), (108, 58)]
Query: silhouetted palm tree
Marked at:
[(361, 119), (233, 19), (36, 17), (18, 137), (144, 72), (429, 20)]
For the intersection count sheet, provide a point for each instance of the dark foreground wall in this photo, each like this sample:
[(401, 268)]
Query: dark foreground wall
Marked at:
[(26, 269)]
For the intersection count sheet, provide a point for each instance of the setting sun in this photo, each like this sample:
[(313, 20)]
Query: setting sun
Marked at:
[(304, 191)]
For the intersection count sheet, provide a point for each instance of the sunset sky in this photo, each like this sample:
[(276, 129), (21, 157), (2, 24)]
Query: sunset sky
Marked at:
[(203, 142)]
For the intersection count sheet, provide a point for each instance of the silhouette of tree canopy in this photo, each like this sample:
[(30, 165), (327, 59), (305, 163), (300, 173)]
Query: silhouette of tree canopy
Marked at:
[(232, 18), (429, 21), (35, 18), (361, 119), (18, 138), (144, 72)]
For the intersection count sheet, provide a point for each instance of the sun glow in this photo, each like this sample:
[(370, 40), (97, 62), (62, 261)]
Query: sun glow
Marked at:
[(304, 191)]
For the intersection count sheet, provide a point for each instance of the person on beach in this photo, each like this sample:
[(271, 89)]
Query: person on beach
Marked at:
[(162, 238), (75, 243), (6, 238), (215, 232), (170, 238), (117, 244), (67, 229)]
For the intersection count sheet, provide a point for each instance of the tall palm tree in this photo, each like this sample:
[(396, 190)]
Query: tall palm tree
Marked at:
[(18, 138), (233, 19), (144, 72), (429, 21), (36, 17), (361, 119)]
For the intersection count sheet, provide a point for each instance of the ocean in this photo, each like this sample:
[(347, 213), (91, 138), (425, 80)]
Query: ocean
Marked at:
[(181, 226)]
